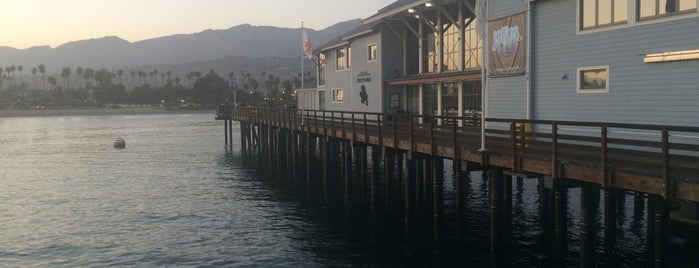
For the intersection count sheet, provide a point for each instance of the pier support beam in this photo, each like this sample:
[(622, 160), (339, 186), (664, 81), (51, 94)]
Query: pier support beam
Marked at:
[(561, 223), (347, 167), (409, 183), (609, 221), (495, 181), (650, 225), (230, 132), (437, 191), (588, 205), (507, 207), (662, 220), (459, 185), (225, 130), (375, 162)]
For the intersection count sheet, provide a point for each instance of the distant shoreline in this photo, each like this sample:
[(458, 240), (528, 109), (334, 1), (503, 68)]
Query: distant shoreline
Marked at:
[(95, 112)]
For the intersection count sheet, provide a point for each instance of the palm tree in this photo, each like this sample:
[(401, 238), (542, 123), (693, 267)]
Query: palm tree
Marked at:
[(65, 76), (79, 71), (133, 78), (119, 74), (14, 78), (42, 70), (21, 77), (151, 74), (8, 70), (53, 82), (34, 71), (87, 75), (142, 75)]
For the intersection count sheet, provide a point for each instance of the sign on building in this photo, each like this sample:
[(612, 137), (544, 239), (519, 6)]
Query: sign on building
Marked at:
[(506, 46)]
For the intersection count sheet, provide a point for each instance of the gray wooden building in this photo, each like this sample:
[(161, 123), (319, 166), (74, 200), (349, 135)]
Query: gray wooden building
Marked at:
[(624, 61)]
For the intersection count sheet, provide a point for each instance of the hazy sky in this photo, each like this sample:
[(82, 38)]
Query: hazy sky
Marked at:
[(27, 23)]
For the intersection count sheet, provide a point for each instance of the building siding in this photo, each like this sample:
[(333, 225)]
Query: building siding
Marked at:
[(655, 93), (348, 81), (507, 96)]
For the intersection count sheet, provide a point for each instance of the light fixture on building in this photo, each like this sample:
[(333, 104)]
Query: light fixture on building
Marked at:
[(672, 56), (411, 10), (429, 4)]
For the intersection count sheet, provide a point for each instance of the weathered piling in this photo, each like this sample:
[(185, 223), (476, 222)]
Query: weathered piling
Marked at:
[(662, 219), (561, 223), (588, 204), (495, 181), (610, 219)]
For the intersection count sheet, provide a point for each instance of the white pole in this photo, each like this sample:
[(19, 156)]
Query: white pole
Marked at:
[(301, 93), (484, 83)]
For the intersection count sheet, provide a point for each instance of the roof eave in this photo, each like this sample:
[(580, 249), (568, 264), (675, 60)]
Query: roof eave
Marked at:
[(389, 13)]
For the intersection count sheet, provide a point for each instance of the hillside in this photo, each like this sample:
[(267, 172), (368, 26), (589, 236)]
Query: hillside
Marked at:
[(246, 41)]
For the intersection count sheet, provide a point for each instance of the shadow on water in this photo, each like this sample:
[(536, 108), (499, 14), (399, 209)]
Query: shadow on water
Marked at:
[(344, 227)]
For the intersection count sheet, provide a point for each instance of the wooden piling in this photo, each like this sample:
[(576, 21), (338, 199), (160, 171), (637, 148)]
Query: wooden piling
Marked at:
[(587, 225), (662, 220), (225, 131), (495, 181), (609, 221), (561, 223), (375, 162)]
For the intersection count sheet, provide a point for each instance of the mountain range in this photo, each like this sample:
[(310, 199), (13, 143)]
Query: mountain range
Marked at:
[(239, 42)]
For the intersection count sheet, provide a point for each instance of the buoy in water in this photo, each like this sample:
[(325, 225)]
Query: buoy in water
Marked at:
[(119, 143)]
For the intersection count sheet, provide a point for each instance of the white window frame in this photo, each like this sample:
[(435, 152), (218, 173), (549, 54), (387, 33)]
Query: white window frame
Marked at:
[(578, 87), (656, 16), (632, 19), (341, 66), (376, 52), (322, 75), (338, 95)]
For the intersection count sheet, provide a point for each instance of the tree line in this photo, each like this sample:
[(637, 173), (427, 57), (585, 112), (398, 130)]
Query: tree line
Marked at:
[(85, 87)]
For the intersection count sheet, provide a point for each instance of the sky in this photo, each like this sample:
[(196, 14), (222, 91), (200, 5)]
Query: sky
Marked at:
[(28, 23)]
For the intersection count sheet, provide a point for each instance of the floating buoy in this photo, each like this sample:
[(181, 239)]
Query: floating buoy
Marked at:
[(119, 143)]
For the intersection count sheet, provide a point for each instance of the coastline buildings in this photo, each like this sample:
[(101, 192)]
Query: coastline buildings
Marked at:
[(624, 61)]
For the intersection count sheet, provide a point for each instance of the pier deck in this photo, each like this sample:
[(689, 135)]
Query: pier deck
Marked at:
[(658, 160)]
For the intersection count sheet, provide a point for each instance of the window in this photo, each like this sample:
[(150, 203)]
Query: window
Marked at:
[(598, 13), (593, 79), (338, 95), (343, 58), (371, 52), (341, 55), (656, 8), (321, 69), (473, 51), (321, 100)]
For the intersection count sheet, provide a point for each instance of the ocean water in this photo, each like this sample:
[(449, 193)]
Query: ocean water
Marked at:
[(176, 196)]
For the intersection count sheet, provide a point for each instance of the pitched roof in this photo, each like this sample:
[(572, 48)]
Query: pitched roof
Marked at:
[(363, 29)]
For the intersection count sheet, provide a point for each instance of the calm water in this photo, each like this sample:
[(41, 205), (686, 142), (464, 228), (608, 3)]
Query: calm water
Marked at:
[(177, 196)]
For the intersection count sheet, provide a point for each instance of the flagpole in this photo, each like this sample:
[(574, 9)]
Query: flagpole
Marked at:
[(302, 78), (484, 82)]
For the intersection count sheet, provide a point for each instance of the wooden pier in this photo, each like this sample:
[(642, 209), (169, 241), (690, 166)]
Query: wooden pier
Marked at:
[(658, 163)]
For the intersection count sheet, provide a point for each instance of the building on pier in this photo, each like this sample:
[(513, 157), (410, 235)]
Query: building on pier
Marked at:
[(422, 57), (626, 61), (623, 61)]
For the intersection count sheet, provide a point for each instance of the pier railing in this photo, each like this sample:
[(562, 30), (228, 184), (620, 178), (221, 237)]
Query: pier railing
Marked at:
[(662, 160)]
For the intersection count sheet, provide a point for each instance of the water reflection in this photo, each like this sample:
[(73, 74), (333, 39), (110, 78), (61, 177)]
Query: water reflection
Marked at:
[(355, 231)]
